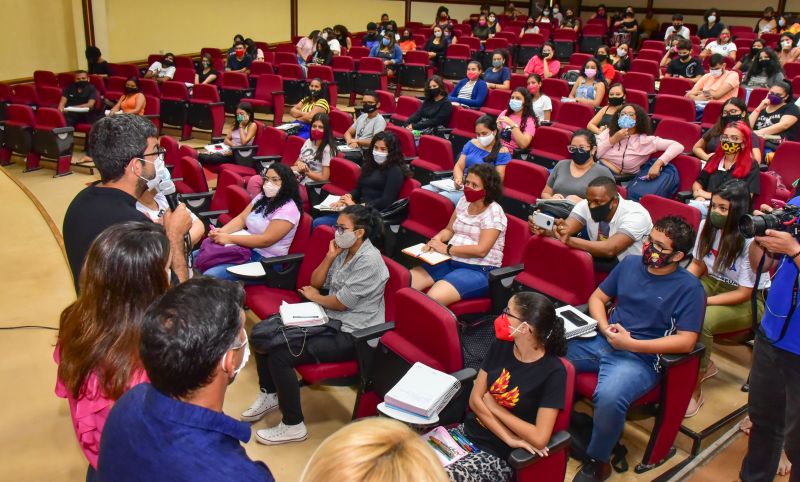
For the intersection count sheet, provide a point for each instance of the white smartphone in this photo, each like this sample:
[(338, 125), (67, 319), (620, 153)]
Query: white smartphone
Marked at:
[(544, 221)]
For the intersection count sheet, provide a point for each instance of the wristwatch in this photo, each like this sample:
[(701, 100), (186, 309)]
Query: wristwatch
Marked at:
[(450, 246)]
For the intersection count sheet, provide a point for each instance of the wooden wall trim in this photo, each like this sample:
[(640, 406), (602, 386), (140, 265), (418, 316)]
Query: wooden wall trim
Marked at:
[(88, 22), (293, 9)]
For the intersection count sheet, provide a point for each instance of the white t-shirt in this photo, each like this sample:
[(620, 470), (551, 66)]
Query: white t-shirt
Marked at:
[(335, 46), (740, 274), (683, 32), (540, 105), (160, 71), (163, 206), (724, 50), (308, 155), (631, 219)]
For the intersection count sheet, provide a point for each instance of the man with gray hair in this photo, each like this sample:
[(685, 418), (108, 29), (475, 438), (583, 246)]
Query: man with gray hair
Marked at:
[(125, 150)]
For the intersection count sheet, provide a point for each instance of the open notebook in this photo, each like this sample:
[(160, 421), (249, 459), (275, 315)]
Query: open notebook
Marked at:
[(430, 257), (445, 185), (219, 148), (576, 324), (423, 391)]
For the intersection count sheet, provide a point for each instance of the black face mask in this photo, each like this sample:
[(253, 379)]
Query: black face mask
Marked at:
[(602, 57), (82, 83), (754, 53), (685, 57), (167, 63), (727, 119), (131, 90), (615, 101), (368, 108), (600, 213), (580, 158), (543, 55), (763, 63), (430, 94), (314, 93)]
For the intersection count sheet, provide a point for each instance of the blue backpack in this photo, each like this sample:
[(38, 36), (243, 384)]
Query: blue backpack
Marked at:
[(665, 185)]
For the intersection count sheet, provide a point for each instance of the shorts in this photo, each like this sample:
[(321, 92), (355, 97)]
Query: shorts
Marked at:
[(470, 280)]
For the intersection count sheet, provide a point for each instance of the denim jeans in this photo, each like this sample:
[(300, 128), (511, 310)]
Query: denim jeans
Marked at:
[(221, 270), (325, 220), (453, 196), (623, 377)]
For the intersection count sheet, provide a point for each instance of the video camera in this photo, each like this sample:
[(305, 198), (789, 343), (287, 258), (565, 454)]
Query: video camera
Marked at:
[(784, 219)]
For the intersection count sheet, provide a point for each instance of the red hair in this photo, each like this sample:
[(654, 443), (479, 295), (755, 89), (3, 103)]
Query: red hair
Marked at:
[(744, 161)]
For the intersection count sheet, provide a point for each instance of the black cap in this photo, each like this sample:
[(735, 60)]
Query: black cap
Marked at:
[(372, 26)]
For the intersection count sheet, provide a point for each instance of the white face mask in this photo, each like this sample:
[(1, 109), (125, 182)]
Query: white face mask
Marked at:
[(270, 190), (380, 157), (437, 34), (245, 357), (716, 72), (324, 35), (555, 10), (622, 53), (150, 183), (345, 239), (486, 140), (712, 18)]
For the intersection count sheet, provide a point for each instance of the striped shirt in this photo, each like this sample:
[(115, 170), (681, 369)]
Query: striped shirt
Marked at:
[(307, 104), (466, 90)]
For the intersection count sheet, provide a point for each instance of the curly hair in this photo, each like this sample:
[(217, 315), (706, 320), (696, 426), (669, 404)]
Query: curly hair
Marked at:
[(539, 312), (393, 158), (643, 125), (492, 184), (678, 231)]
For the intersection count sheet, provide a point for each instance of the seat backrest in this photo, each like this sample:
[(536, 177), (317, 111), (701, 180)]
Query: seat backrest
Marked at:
[(688, 169), (408, 186), (358, 52), (172, 90), (428, 212), (557, 270), (343, 62), (555, 88), (644, 65), (65, 79), (465, 119), (399, 278), (495, 43), (205, 92), (437, 150), (291, 150), (711, 113), (497, 99), (270, 141), (45, 77), (234, 81), (344, 174), (458, 51), (21, 114), (47, 117), (340, 122), (638, 97), (756, 96), (49, 96), (786, 162), (370, 65), (303, 234), (229, 177), (517, 234), (675, 86), (675, 106), (417, 57), (387, 102), (473, 43), (261, 68), (684, 132), (290, 71), (314, 253), (579, 58), (170, 146), (562, 420), (406, 139), (236, 199), (531, 40), (552, 140), (266, 85), (575, 114), (286, 57), (526, 177), (407, 105), (183, 74), (323, 72), (25, 94), (661, 207), (639, 81), (193, 175)]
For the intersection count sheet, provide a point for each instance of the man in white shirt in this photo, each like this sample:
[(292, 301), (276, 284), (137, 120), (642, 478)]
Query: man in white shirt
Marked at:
[(677, 28), (162, 71)]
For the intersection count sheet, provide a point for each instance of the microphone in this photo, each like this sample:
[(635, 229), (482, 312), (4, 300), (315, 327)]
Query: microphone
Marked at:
[(167, 188)]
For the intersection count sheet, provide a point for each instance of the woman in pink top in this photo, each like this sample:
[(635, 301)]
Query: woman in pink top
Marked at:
[(544, 63), (718, 84), (306, 45), (628, 143), (517, 124), (126, 268)]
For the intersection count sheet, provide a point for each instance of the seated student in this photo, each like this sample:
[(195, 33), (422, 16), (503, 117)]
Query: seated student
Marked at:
[(545, 17), (97, 356), (322, 54), (544, 64), (767, 24), (615, 226), (603, 54), (97, 64), (239, 60), (382, 175), (732, 159), (486, 148), (236, 39), (442, 17), (79, 94), (333, 41), (472, 90), (685, 65), (746, 61), (253, 51), (601, 120), (494, 25), (677, 28), (723, 45), (474, 239), (390, 52), (498, 76), (436, 46), (517, 124), (480, 29), (765, 71), (571, 21), (570, 178), (406, 42), (343, 36), (788, 52), (371, 38), (733, 110), (620, 59), (355, 276), (722, 263), (776, 115), (205, 72), (369, 123), (193, 345), (628, 143), (659, 309), (542, 105), (242, 134), (530, 27), (718, 84), (590, 87), (163, 70), (530, 338), (314, 161), (435, 110), (309, 106), (378, 449), (270, 219), (306, 46), (132, 101), (712, 25), (450, 34)]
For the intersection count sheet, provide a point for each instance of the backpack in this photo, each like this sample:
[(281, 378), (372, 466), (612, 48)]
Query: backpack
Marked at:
[(665, 185)]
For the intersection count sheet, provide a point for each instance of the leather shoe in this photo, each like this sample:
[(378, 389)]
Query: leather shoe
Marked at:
[(593, 471)]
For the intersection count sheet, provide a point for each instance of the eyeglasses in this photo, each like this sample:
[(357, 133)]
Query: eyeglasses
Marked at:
[(730, 139), (341, 229), (574, 149), (273, 180), (159, 153), (660, 247), (732, 112), (508, 314)]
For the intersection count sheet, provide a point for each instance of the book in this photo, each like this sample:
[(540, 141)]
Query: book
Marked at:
[(443, 444), (302, 314), (431, 257), (219, 148), (241, 232), (422, 391), (445, 185), (576, 324), (328, 202)]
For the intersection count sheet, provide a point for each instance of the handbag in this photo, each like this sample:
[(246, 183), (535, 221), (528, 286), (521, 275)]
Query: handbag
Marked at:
[(212, 254), (272, 333), (665, 185)]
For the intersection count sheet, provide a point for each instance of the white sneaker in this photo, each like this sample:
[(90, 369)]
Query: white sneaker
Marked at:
[(265, 403), (281, 434)]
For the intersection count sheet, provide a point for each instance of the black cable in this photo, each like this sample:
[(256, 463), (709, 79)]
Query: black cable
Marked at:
[(28, 326)]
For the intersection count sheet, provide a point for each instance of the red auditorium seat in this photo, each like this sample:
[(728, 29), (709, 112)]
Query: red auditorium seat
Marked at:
[(435, 159), (268, 97), (406, 107), (550, 146), (428, 213), (52, 139), (522, 185)]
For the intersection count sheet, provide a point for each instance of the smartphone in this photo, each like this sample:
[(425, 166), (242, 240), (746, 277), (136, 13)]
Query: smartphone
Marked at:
[(544, 221), (574, 318)]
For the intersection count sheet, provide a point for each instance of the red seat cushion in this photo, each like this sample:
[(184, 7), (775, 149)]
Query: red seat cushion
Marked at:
[(266, 301), (318, 372), (519, 195), (427, 165)]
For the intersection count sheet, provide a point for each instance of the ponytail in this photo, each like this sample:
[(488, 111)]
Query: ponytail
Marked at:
[(539, 312), (368, 219)]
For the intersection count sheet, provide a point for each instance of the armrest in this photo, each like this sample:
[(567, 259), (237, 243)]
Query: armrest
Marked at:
[(521, 458), (497, 291), (671, 361), (63, 130), (282, 271), (278, 92), (441, 174), (267, 158), (217, 140), (684, 196), (208, 216), (372, 332), (314, 193), (455, 411), (465, 375), (151, 116), (196, 195), (212, 104), (243, 148), (409, 159), (444, 130)]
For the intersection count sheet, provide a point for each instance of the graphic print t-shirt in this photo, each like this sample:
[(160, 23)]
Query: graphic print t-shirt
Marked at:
[(521, 388)]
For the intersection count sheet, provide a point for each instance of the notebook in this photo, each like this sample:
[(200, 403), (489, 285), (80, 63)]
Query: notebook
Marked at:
[(422, 391), (219, 148), (327, 204), (302, 314), (431, 257), (576, 324), (241, 232), (447, 450), (76, 109), (445, 185)]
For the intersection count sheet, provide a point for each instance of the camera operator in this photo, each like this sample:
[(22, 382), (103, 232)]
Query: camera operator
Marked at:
[(775, 374)]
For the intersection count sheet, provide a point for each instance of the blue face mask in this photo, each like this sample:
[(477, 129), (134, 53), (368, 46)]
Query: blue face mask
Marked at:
[(515, 105), (626, 122), (385, 42)]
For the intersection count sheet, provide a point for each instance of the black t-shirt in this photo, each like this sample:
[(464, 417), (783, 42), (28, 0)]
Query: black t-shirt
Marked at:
[(79, 95), (713, 32), (236, 64), (378, 188), (92, 211), (711, 182), (690, 69), (766, 119), (201, 77), (521, 388), (100, 68), (623, 64), (432, 113)]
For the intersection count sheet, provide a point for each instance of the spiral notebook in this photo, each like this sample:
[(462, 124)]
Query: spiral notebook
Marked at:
[(576, 324)]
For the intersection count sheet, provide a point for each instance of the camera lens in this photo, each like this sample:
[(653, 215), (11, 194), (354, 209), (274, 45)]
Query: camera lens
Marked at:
[(750, 225)]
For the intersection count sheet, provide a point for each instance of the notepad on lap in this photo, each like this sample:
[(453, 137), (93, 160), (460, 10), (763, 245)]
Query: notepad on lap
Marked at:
[(219, 148), (576, 324), (302, 314), (241, 232), (431, 257), (327, 204), (445, 185), (76, 109), (422, 391)]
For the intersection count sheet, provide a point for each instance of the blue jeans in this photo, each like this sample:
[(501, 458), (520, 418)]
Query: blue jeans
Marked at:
[(453, 196), (623, 377), (326, 220), (221, 270)]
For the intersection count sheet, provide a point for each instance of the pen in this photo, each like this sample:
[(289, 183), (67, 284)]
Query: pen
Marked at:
[(436, 448), (306, 316), (447, 450), (461, 441)]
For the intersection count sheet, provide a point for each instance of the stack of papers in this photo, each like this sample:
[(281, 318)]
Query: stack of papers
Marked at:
[(76, 109), (346, 148), (445, 185), (430, 257), (327, 204), (576, 324), (220, 148), (302, 314), (288, 127), (422, 392)]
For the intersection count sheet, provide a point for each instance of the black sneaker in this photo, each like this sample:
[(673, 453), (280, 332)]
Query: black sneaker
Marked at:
[(593, 471)]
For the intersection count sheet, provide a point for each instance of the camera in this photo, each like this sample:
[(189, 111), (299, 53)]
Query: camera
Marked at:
[(784, 219)]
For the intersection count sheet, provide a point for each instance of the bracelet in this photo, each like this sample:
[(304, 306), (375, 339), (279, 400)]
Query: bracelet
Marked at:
[(450, 246)]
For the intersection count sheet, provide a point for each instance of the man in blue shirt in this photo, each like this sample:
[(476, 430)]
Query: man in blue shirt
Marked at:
[(659, 309), (775, 375), (193, 344)]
